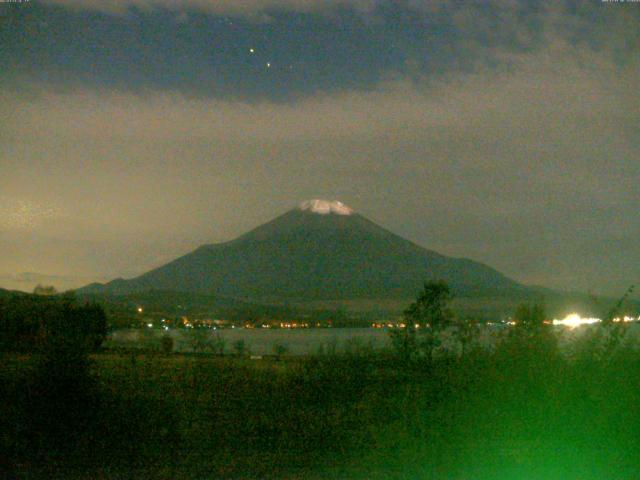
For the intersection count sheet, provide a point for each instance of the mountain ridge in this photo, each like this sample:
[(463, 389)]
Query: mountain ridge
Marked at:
[(324, 251)]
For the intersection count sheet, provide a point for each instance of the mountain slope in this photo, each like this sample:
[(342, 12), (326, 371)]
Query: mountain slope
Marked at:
[(318, 251)]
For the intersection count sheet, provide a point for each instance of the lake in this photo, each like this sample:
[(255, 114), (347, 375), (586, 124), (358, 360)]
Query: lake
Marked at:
[(305, 341), (260, 341)]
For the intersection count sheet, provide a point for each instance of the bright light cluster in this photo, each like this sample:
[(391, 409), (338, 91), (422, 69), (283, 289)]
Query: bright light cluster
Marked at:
[(574, 320)]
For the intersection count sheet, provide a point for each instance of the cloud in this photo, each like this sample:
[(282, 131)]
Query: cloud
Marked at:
[(28, 281), (518, 147), (222, 7), (532, 169), (488, 23), (419, 41), (16, 214)]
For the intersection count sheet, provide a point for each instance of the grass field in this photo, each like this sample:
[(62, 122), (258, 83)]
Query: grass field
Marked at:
[(522, 411)]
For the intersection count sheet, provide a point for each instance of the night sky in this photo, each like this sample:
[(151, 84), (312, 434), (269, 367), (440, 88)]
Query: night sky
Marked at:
[(133, 131)]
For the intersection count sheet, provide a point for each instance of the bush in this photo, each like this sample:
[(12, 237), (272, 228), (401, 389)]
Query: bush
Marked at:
[(280, 349), (207, 340), (166, 344), (240, 347)]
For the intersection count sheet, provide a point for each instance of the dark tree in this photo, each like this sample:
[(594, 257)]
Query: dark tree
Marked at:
[(531, 337), (430, 313), (431, 308), (530, 318), (45, 290), (67, 325), (166, 344), (35, 322)]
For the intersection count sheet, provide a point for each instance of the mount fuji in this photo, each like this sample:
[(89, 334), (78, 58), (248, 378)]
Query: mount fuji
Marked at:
[(321, 250)]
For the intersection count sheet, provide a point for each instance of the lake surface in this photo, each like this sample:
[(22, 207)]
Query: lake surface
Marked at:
[(260, 341), (305, 341)]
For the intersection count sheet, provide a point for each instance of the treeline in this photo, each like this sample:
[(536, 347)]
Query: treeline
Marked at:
[(123, 312), (32, 323)]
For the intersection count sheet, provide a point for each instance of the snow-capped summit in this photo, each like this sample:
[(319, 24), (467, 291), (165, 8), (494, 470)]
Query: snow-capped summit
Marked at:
[(324, 207)]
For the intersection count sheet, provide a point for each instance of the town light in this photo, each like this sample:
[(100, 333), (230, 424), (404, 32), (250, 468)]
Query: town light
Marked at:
[(574, 320)]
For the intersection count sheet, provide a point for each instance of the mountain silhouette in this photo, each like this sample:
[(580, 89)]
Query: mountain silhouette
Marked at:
[(320, 250)]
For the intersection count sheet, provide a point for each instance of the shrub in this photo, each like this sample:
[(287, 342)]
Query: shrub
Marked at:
[(280, 349), (240, 347), (167, 344)]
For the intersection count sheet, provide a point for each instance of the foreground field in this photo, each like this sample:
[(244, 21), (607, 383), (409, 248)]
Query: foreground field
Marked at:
[(522, 411)]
